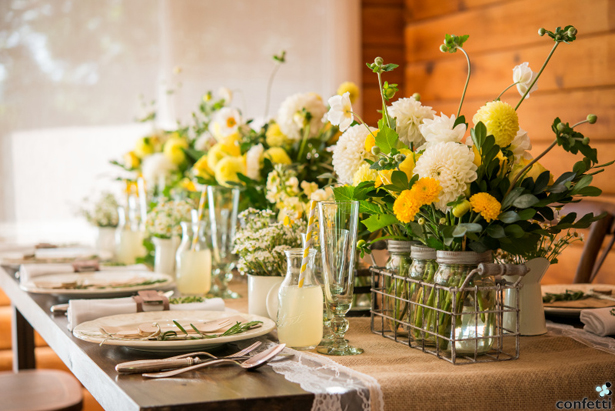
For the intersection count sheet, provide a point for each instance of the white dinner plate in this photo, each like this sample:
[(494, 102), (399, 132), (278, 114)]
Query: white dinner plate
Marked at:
[(561, 288), (90, 330), (103, 280)]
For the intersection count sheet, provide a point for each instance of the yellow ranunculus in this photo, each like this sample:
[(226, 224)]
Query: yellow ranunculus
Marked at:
[(144, 147), (231, 144), (275, 137), (351, 88), (174, 150), (131, 160), (277, 155), (201, 168), (220, 151), (227, 169)]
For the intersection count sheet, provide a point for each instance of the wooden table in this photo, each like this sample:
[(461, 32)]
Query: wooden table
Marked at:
[(222, 388)]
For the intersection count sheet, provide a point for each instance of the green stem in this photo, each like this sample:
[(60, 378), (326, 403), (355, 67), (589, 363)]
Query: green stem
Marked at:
[(530, 164), (363, 122), (505, 90), (385, 113), (465, 88), (539, 73), (579, 123), (269, 84), (306, 134)]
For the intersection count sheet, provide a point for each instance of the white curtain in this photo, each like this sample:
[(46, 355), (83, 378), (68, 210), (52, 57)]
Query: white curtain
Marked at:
[(74, 75)]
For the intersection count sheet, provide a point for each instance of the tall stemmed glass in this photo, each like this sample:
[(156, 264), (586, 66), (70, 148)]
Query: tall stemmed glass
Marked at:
[(338, 237), (223, 204)]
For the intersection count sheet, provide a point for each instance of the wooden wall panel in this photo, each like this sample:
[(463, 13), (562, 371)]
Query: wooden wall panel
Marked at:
[(383, 26)]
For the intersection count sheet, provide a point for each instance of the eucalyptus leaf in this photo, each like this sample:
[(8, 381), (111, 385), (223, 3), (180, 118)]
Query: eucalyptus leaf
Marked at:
[(512, 196), (509, 217), (495, 231), (525, 201)]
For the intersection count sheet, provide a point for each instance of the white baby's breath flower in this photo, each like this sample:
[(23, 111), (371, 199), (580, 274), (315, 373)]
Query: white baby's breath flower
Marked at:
[(523, 76), (340, 114), (226, 122), (440, 130), (156, 166), (409, 114), (521, 146), (254, 159), (350, 152), (292, 114), (452, 164)]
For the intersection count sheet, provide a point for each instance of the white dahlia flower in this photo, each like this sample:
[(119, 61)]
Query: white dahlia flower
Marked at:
[(452, 164), (440, 130), (410, 114), (349, 153), (254, 161), (292, 114)]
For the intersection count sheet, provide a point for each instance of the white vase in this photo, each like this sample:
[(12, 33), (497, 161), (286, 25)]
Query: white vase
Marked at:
[(105, 241), (165, 249), (258, 288), (532, 312)]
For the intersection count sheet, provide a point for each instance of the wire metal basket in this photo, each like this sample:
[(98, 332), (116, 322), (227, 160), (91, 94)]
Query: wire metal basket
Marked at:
[(445, 335)]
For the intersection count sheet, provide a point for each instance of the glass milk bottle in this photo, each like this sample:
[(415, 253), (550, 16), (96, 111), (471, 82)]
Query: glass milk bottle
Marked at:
[(128, 237), (300, 314), (193, 260)]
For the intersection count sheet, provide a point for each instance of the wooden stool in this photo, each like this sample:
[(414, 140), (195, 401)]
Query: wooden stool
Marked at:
[(40, 390)]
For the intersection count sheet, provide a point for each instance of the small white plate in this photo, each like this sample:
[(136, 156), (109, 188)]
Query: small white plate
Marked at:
[(561, 288), (90, 330), (44, 284)]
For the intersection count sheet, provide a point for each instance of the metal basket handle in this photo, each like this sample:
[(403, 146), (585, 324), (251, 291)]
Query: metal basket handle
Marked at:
[(491, 269)]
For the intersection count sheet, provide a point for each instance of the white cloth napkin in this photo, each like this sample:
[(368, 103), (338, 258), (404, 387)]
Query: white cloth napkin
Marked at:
[(64, 253), (80, 311), (599, 321), (29, 271)]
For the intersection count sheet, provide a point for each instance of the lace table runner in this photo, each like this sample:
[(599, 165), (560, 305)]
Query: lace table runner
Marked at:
[(336, 387)]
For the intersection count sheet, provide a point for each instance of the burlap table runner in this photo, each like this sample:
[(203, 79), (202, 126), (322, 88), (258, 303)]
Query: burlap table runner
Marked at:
[(550, 369)]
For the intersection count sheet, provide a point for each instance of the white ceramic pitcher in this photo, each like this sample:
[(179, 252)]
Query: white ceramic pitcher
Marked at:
[(532, 313)]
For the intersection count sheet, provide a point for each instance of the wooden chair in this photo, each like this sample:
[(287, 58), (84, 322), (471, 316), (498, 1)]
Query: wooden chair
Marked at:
[(40, 390), (590, 263)]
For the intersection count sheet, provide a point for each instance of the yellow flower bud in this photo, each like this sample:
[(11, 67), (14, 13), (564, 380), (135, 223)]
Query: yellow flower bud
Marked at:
[(173, 150), (460, 209)]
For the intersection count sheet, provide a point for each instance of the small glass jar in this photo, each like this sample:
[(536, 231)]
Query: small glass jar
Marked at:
[(193, 260), (128, 235), (423, 269), (453, 269), (397, 291)]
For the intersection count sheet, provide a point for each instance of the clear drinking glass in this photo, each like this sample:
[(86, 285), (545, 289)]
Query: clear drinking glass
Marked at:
[(338, 237), (193, 260), (223, 204)]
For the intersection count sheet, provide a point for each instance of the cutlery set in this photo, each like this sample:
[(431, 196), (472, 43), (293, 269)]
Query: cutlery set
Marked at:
[(179, 364)]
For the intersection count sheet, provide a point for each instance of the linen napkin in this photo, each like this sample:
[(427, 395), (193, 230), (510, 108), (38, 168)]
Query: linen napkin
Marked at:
[(80, 311), (600, 321), (29, 271)]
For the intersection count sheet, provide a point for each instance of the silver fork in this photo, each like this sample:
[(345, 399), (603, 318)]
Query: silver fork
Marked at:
[(178, 361), (252, 363)]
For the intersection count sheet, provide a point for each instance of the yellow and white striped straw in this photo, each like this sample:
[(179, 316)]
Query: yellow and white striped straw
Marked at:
[(308, 241), (195, 238)]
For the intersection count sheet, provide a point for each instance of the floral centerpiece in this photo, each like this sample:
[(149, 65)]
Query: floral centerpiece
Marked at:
[(102, 212), (419, 176), (163, 220)]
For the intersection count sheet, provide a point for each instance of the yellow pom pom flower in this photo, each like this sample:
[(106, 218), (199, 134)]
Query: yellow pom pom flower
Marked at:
[(426, 190), (173, 150), (227, 169), (275, 137), (364, 173), (277, 155), (351, 88), (406, 206), (370, 141), (501, 121), (485, 204)]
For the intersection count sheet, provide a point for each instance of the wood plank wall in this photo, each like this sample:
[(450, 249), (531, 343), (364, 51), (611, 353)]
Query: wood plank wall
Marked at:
[(580, 79)]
